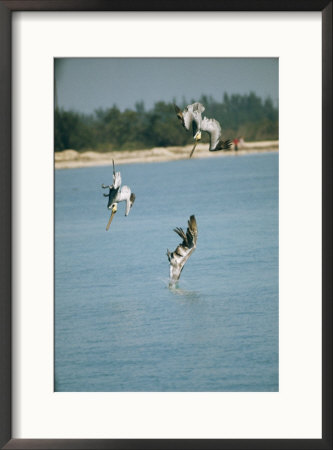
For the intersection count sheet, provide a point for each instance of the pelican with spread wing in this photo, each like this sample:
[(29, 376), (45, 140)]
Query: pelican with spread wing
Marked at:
[(192, 115), (118, 194), (178, 258)]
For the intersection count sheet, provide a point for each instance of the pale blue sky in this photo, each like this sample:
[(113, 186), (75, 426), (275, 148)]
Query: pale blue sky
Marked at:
[(86, 84)]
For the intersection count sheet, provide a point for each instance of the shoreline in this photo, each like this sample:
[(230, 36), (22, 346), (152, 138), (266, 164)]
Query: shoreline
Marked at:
[(72, 159)]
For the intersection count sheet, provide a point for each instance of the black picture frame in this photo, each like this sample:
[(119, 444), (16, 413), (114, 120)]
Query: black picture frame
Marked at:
[(6, 9)]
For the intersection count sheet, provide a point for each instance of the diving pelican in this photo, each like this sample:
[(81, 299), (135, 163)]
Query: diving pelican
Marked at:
[(192, 115), (178, 258), (118, 194)]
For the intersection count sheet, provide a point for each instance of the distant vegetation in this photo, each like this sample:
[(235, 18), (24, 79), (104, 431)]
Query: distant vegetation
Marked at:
[(110, 129)]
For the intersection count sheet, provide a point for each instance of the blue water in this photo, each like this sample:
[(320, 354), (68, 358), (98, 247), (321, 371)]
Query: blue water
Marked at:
[(119, 327)]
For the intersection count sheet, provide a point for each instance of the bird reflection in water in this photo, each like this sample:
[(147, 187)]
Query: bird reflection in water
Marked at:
[(185, 294)]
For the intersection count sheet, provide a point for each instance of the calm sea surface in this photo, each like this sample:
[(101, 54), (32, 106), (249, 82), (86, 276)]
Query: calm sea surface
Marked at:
[(119, 327)]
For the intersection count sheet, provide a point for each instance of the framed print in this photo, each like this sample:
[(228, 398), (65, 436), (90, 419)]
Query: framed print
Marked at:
[(100, 347)]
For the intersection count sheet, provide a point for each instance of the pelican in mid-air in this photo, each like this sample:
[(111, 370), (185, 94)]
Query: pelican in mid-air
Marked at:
[(118, 194), (178, 258), (192, 115)]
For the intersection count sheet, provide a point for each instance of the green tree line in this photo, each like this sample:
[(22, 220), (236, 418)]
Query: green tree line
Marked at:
[(111, 129)]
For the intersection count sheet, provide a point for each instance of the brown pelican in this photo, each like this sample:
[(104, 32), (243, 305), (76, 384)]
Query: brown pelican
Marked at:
[(192, 115), (118, 194), (178, 258)]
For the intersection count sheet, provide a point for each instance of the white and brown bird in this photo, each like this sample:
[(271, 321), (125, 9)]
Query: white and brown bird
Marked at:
[(191, 115), (118, 194), (178, 258)]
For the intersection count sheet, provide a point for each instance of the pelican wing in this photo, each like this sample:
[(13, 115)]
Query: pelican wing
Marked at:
[(178, 112), (213, 128), (178, 258), (197, 107)]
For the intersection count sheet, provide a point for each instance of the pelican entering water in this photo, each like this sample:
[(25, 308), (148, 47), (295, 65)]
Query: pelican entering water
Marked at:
[(192, 115), (118, 194), (178, 258)]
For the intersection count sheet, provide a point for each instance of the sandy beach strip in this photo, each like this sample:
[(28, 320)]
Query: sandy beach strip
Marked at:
[(71, 159)]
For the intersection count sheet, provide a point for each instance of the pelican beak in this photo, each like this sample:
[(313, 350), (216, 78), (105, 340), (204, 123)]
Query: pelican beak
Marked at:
[(195, 144), (113, 212)]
